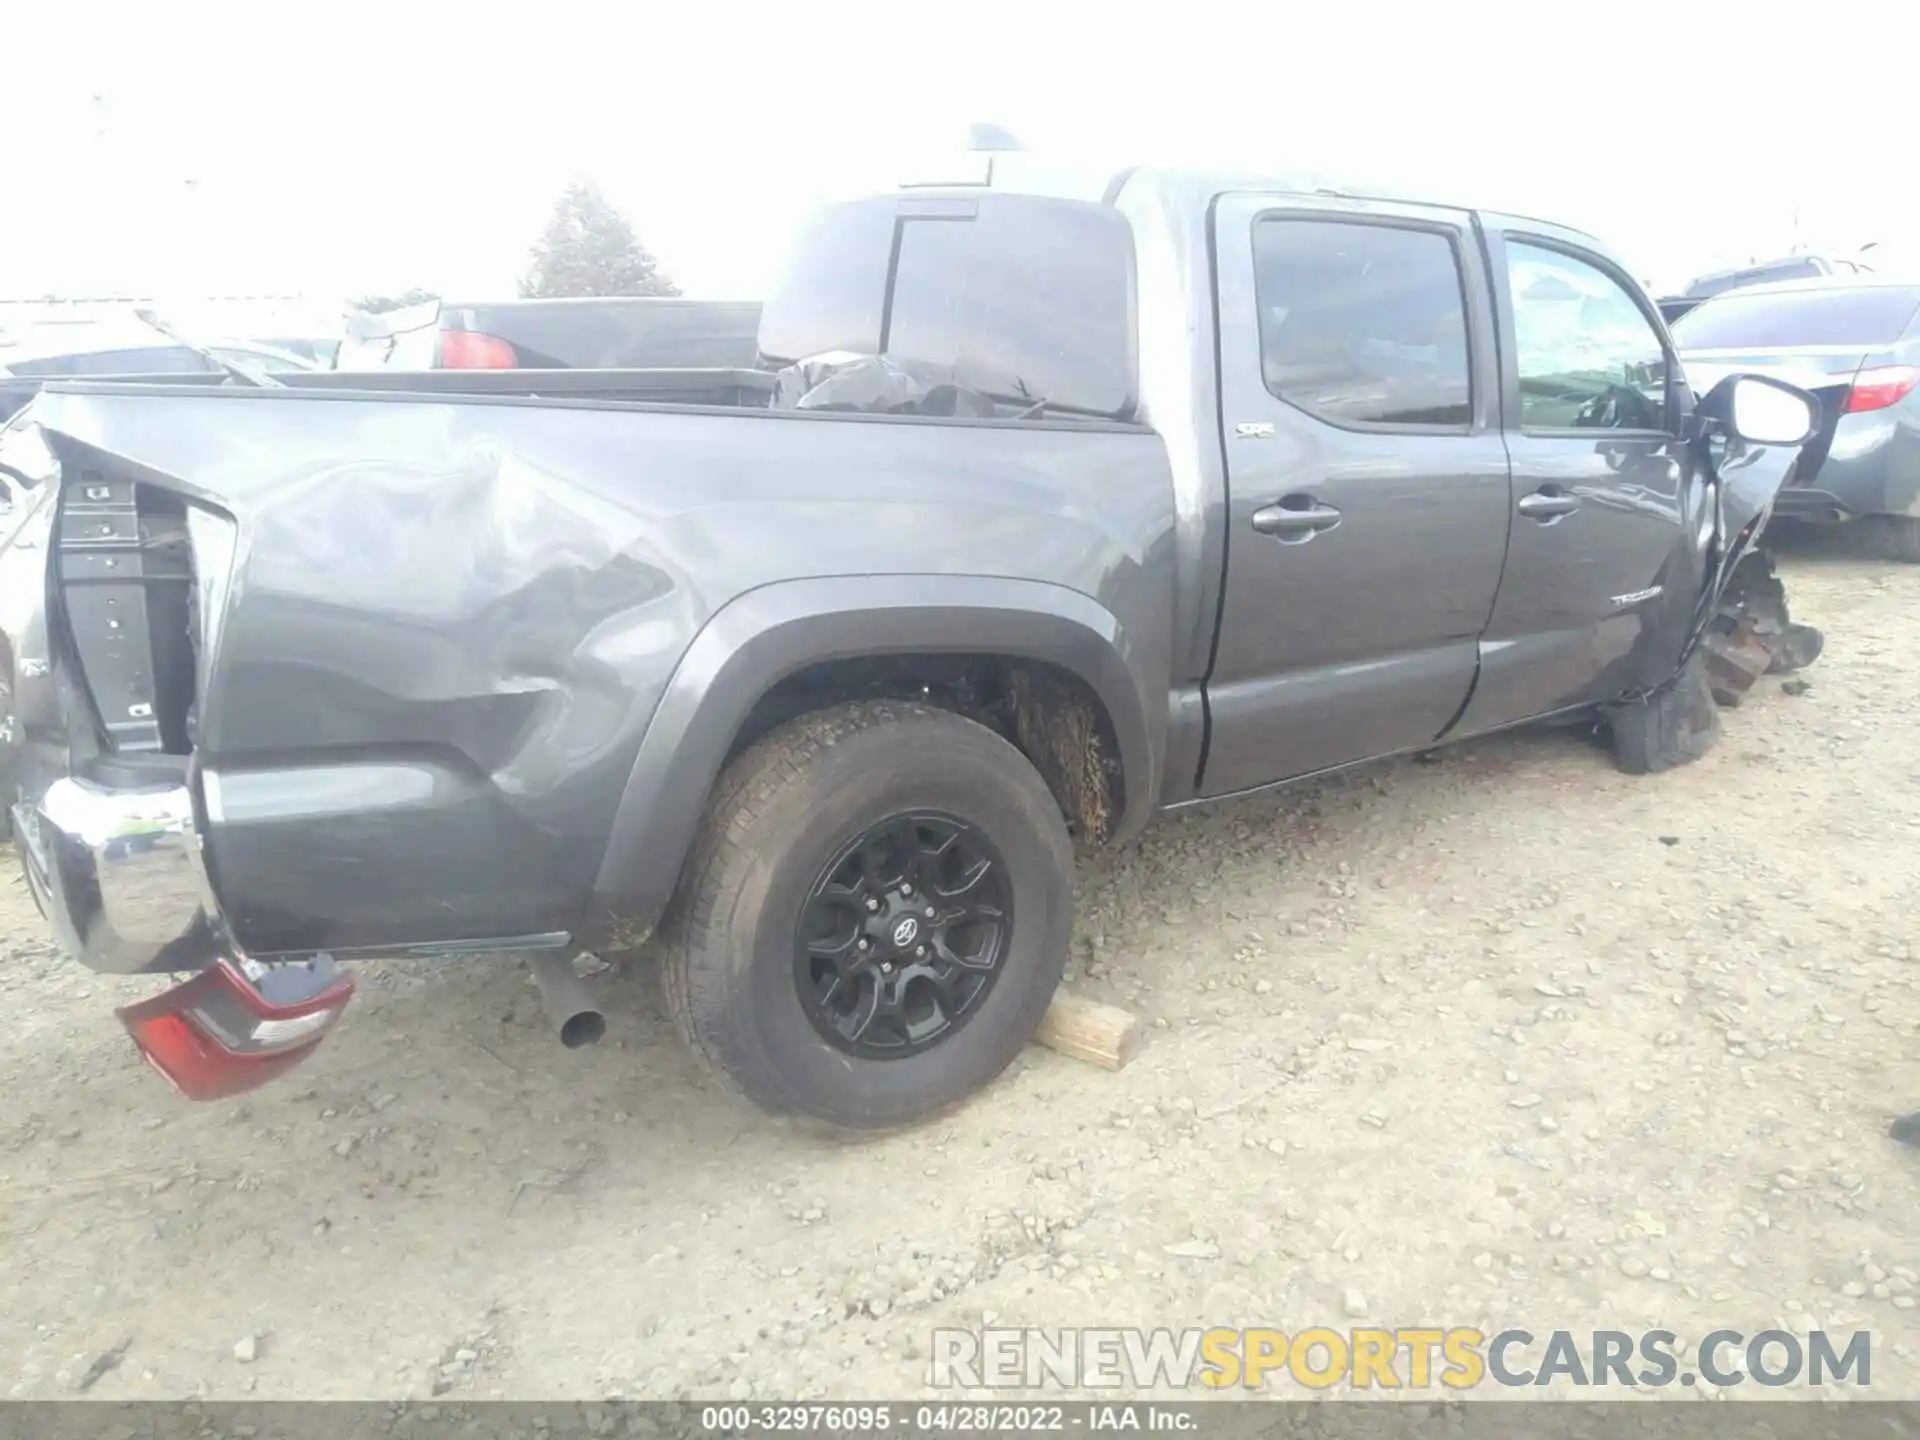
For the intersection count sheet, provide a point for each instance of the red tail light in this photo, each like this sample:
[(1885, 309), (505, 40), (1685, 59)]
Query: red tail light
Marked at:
[(1885, 385), (218, 1034), (470, 350)]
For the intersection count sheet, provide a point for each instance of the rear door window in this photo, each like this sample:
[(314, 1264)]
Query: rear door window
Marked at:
[(1856, 319), (1363, 324)]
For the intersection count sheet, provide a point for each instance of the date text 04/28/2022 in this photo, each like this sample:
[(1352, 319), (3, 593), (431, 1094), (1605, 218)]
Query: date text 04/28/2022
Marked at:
[(943, 1418)]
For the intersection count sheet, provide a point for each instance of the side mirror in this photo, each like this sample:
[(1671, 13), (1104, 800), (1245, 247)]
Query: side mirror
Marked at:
[(1761, 410)]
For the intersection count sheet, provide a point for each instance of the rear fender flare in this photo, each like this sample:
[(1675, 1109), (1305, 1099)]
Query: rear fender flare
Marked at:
[(767, 634)]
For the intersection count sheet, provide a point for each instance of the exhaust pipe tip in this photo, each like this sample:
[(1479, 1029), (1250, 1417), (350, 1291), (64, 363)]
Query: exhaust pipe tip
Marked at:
[(583, 1027), (575, 1017)]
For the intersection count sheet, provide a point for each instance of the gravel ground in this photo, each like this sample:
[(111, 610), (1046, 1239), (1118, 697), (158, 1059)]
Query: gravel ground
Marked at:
[(1508, 1038)]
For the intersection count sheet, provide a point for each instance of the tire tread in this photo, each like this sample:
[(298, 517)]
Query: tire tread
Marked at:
[(734, 836)]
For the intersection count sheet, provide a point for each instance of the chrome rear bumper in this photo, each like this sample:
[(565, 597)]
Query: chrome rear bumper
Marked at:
[(120, 875)]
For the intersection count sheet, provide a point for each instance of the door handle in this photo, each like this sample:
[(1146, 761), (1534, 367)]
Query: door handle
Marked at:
[(1295, 518), (1548, 504)]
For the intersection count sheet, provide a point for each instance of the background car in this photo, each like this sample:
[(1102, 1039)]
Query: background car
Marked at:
[(1856, 344), (1703, 288), (618, 332), (98, 348), (129, 346)]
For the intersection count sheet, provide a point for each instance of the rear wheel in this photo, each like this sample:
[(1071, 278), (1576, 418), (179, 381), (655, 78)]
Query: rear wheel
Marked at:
[(875, 915)]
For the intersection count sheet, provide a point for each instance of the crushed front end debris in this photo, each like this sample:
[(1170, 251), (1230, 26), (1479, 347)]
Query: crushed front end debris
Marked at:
[(1752, 634)]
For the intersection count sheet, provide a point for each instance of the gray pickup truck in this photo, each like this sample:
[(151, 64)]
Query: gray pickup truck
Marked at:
[(1060, 511)]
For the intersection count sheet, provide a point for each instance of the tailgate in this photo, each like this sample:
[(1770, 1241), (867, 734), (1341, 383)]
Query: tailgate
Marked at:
[(97, 595)]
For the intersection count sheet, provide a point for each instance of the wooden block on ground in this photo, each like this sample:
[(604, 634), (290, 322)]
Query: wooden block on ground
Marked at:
[(1105, 1035)]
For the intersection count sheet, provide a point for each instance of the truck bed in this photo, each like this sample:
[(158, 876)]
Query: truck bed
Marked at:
[(433, 614), (741, 388)]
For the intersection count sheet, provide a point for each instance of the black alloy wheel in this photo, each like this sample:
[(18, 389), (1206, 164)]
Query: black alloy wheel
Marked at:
[(902, 935), (802, 962)]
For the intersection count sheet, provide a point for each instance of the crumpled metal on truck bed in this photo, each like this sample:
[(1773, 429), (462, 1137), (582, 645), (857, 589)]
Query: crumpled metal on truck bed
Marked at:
[(874, 385)]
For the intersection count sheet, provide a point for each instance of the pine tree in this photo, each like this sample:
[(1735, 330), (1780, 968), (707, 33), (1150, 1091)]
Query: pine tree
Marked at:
[(589, 248)]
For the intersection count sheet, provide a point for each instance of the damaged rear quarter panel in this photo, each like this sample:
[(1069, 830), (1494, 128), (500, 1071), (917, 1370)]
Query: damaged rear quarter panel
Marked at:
[(449, 623), (437, 650)]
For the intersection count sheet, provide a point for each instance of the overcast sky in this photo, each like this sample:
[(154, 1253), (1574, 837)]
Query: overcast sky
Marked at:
[(351, 147)]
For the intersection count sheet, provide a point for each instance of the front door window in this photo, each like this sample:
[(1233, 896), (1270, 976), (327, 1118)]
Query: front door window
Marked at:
[(1587, 357)]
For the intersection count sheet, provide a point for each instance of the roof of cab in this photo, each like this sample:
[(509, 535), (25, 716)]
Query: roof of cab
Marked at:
[(1182, 187)]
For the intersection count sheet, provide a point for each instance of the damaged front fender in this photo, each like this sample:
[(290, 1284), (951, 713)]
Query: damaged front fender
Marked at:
[(1746, 479), (1740, 617)]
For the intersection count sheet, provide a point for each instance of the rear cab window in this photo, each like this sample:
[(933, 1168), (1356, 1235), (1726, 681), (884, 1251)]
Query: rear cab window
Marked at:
[(1025, 298), (1866, 318)]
